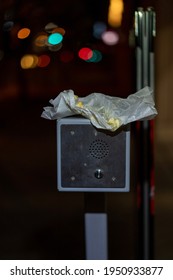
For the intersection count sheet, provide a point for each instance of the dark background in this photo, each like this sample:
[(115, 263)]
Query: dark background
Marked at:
[(36, 221)]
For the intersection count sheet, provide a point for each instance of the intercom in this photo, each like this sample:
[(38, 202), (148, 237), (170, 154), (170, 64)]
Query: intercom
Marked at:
[(91, 159)]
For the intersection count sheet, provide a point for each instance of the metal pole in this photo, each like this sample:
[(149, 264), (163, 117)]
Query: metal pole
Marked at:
[(96, 239), (145, 32)]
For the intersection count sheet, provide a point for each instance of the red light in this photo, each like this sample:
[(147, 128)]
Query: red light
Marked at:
[(43, 60), (85, 53), (66, 56)]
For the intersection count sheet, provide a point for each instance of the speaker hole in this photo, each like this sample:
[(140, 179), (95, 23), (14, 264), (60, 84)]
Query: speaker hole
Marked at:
[(99, 149)]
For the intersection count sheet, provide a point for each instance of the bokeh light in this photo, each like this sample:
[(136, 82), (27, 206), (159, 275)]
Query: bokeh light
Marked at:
[(43, 60), (110, 38), (50, 26), (59, 30), (55, 48), (41, 40), (55, 38), (8, 25), (85, 53), (90, 55), (98, 28), (96, 57), (66, 56), (23, 33), (115, 12), (29, 61), (50, 39)]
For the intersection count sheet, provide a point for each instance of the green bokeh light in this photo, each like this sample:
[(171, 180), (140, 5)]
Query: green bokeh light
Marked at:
[(96, 57), (55, 39)]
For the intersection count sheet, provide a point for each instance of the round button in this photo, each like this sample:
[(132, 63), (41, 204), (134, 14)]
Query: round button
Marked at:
[(99, 173)]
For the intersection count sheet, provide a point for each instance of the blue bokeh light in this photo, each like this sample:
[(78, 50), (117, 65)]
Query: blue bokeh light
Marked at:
[(55, 39)]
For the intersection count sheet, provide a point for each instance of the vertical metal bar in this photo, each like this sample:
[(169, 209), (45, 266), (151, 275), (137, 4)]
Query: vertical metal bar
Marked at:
[(146, 152), (96, 236), (151, 35), (139, 60), (144, 31), (96, 227)]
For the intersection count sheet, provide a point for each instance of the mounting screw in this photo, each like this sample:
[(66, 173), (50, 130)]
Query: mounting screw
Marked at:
[(73, 178)]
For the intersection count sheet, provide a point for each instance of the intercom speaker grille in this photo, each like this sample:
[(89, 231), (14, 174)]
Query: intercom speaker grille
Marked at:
[(99, 149)]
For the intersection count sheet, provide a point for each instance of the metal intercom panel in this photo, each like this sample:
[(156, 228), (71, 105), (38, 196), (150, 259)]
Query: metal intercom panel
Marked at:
[(92, 160)]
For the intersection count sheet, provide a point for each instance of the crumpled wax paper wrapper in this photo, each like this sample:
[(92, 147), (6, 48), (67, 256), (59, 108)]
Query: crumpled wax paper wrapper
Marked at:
[(104, 112)]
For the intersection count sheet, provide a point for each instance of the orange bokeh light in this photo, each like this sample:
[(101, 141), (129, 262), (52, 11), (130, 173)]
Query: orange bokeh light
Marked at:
[(23, 33), (59, 30), (41, 40), (29, 61)]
